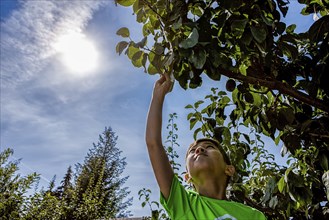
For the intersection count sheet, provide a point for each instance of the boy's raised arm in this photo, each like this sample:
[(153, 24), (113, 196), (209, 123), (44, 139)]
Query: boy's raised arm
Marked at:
[(159, 159)]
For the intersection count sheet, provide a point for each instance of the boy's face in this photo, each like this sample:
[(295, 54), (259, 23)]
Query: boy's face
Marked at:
[(205, 158)]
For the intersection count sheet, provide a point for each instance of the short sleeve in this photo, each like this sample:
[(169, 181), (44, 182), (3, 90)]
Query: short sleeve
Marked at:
[(178, 203)]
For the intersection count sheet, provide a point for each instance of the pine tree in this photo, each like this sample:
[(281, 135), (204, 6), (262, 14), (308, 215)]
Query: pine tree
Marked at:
[(13, 187), (65, 192), (65, 189), (99, 192)]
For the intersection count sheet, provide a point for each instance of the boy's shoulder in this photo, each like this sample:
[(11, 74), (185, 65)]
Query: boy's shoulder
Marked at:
[(229, 206)]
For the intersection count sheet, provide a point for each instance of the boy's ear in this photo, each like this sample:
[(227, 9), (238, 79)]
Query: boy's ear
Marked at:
[(187, 178), (229, 170)]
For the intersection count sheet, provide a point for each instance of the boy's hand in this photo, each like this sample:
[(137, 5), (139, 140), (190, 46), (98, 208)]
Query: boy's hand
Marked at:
[(162, 86)]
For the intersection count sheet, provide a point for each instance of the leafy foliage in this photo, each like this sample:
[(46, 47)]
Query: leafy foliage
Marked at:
[(94, 191), (156, 211), (296, 190), (277, 79), (98, 189), (246, 41), (13, 187), (172, 140)]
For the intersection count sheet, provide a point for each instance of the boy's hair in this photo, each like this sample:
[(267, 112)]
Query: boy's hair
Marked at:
[(216, 143)]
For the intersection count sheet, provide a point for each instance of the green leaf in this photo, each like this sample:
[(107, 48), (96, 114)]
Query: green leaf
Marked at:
[(190, 115), (238, 27), (267, 17), (283, 7), (325, 180), (123, 32), (288, 113), (290, 29), (324, 161), (142, 43), (246, 137), (147, 29), (280, 27), (125, 3), (286, 174), (197, 10), (131, 51), (145, 55), (191, 40), (243, 69), (198, 103), (257, 99), (277, 139), (152, 70), (319, 29), (156, 61), (198, 58), (137, 59), (227, 136), (247, 37), (196, 132), (193, 121), (249, 97), (289, 50), (158, 49), (231, 5), (137, 5), (215, 58), (121, 46), (177, 24), (188, 106), (281, 184), (137, 55), (259, 33), (225, 100)]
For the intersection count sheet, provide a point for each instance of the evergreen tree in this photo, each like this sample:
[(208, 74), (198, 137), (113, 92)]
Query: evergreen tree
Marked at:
[(65, 189), (13, 187), (99, 191), (65, 192)]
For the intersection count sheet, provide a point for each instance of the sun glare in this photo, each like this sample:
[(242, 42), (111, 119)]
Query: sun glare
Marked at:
[(78, 53)]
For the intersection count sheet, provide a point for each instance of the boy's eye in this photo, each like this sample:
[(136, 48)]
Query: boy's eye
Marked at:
[(192, 150), (210, 146)]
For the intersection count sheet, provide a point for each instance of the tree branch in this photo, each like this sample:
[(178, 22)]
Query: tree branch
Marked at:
[(251, 203), (151, 7), (319, 135), (283, 88)]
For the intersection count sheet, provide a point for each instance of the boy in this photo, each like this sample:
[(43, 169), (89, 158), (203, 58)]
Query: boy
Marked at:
[(208, 169)]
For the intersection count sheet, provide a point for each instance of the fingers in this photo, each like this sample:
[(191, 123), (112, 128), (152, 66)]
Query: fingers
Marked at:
[(161, 80), (167, 76), (164, 78), (165, 82)]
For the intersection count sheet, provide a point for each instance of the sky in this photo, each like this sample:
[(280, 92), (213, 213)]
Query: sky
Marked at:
[(52, 110)]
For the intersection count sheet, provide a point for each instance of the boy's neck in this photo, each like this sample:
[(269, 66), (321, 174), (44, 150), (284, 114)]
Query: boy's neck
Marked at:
[(212, 189)]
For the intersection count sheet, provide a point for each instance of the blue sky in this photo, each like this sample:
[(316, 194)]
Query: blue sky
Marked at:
[(51, 116)]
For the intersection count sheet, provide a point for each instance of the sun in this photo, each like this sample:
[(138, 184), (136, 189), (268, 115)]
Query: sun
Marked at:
[(79, 54)]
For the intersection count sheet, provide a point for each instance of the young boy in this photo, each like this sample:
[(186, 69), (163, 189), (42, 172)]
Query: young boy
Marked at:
[(208, 169)]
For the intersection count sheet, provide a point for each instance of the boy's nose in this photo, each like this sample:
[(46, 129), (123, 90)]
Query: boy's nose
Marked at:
[(199, 150)]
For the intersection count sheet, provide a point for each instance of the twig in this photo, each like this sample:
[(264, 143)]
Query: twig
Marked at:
[(151, 7), (319, 135)]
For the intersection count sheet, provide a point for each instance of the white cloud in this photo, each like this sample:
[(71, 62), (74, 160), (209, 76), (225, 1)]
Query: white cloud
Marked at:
[(27, 36)]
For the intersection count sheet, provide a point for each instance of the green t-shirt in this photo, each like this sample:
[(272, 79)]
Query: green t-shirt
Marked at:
[(189, 205)]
